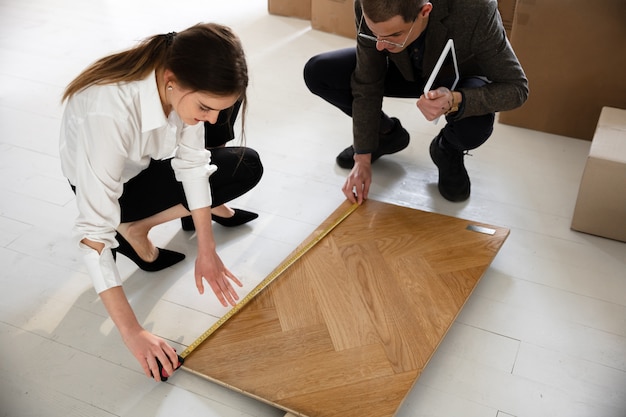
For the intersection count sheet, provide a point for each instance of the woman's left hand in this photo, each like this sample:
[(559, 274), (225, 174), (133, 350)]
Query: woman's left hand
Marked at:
[(209, 267)]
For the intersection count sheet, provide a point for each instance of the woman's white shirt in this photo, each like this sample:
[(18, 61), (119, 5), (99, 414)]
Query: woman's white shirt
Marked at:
[(109, 134)]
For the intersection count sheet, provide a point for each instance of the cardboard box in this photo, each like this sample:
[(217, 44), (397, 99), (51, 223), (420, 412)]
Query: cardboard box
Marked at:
[(574, 58), (334, 16), (601, 205), (291, 8), (507, 12)]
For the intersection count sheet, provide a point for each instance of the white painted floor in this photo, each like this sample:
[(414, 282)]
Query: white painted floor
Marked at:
[(544, 334)]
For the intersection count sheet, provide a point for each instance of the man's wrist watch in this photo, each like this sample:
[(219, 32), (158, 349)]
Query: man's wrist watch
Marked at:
[(454, 107)]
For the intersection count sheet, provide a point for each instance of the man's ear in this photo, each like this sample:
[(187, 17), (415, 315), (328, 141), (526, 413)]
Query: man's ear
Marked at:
[(426, 9)]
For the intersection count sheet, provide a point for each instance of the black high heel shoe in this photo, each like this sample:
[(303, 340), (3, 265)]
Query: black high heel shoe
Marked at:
[(240, 217), (165, 259), (187, 223)]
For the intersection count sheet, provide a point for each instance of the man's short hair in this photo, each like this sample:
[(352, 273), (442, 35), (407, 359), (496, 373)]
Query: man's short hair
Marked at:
[(382, 10)]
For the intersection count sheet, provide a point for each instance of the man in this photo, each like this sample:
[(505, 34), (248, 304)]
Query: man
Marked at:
[(398, 45)]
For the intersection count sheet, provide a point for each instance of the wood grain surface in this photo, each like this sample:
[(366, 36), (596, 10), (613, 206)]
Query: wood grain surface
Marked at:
[(349, 327)]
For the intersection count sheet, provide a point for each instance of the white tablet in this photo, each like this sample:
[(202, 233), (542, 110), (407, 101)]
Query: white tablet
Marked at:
[(448, 49)]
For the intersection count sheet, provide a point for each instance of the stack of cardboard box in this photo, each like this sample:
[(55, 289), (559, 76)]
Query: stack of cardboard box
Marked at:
[(332, 16), (290, 8), (337, 16), (574, 55)]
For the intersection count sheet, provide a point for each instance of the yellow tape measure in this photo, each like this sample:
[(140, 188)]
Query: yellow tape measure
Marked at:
[(271, 277)]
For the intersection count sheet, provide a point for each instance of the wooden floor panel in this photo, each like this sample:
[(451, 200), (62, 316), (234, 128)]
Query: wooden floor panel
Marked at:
[(349, 327)]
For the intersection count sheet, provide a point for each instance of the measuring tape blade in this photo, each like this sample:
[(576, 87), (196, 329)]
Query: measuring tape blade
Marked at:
[(271, 277)]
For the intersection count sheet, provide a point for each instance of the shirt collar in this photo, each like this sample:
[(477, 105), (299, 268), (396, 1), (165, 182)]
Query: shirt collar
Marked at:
[(152, 116)]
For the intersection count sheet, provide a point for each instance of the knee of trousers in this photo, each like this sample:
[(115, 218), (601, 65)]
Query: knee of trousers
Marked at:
[(252, 161), (327, 71), (312, 75), (469, 133)]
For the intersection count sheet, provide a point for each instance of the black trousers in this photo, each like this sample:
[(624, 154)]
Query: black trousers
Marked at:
[(156, 189), (328, 76)]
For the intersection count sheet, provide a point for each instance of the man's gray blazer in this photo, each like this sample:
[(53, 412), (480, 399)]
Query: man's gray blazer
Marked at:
[(482, 49)]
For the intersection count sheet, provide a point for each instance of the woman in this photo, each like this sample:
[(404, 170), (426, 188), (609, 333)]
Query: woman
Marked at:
[(132, 147)]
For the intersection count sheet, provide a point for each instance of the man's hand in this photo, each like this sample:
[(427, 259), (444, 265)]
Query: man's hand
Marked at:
[(357, 184), (435, 103)]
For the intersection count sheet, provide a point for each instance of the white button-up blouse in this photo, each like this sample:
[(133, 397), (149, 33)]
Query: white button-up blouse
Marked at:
[(109, 134)]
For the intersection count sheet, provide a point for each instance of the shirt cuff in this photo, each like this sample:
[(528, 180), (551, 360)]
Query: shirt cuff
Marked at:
[(102, 268), (197, 193)]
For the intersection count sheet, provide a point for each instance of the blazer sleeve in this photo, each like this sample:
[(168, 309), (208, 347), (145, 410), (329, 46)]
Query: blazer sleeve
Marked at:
[(492, 57), (368, 86)]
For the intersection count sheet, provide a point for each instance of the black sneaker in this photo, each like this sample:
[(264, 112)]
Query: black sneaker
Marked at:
[(392, 142), (454, 183)]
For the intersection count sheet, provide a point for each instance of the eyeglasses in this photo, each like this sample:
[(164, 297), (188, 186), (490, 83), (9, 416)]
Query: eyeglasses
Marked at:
[(384, 41)]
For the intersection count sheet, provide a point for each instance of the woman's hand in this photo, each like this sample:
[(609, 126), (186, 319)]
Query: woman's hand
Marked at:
[(147, 348), (209, 267), (144, 346)]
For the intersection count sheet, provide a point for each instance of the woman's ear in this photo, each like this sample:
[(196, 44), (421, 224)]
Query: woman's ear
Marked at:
[(168, 77)]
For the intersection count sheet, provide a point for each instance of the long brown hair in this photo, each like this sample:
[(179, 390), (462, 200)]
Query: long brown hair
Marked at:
[(206, 57)]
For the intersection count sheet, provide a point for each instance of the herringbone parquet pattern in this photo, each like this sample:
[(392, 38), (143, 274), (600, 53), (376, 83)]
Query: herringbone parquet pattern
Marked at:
[(347, 330)]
